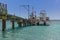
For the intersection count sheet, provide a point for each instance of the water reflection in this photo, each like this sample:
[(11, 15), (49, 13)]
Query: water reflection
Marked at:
[(7, 34), (4, 34)]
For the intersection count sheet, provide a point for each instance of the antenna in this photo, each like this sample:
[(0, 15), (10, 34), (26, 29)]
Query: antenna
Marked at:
[(33, 12), (27, 8)]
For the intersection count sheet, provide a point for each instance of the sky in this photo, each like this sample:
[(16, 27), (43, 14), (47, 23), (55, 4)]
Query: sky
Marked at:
[(52, 7)]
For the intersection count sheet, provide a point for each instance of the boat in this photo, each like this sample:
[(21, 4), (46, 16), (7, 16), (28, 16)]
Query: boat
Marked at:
[(44, 20)]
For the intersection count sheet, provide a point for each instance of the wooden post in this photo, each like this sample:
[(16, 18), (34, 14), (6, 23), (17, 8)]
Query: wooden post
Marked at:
[(25, 23), (19, 24), (12, 24), (22, 24), (3, 23), (13, 20)]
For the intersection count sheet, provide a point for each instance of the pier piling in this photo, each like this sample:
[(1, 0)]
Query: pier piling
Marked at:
[(12, 21), (3, 24), (19, 24), (12, 24)]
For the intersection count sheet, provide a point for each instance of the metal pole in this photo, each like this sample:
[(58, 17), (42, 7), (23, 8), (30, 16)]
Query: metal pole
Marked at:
[(27, 8), (28, 11)]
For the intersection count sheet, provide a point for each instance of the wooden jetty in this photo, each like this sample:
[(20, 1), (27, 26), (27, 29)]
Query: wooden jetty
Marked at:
[(21, 21), (5, 16)]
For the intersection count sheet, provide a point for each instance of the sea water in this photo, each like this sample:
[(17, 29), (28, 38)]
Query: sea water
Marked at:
[(51, 32)]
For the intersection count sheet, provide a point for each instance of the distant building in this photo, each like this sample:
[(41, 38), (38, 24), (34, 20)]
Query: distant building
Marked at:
[(3, 8)]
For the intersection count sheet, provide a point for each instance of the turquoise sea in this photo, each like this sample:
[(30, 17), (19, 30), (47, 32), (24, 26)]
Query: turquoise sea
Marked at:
[(51, 32)]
